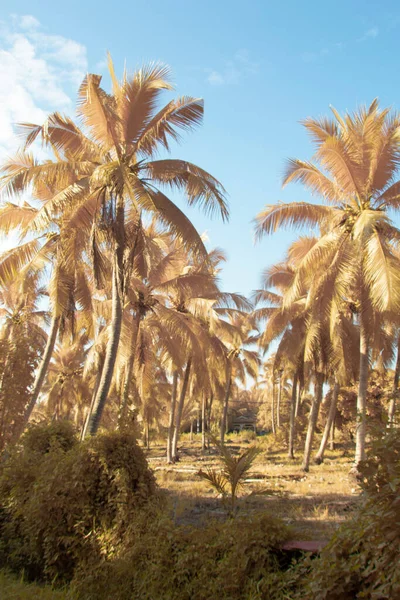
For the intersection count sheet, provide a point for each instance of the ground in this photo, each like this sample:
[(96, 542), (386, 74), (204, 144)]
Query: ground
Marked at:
[(313, 503)]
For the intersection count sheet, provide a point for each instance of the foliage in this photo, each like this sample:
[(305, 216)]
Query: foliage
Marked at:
[(228, 481), (64, 502), (16, 589), (233, 560), (361, 560)]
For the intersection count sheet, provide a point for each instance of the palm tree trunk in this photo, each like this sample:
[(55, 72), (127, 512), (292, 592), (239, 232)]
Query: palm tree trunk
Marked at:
[(100, 364), (191, 430), (278, 405), (174, 454), (312, 420), (273, 407), (203, 424), (130, 364), (172, 415), (392, 405), (292, 417), (362, 394), (329, 424), (110, 358), (226, 401), (40, 375), (332, 436), (298, 400)]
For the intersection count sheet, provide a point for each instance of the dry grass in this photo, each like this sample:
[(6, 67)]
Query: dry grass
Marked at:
[(313, 503)]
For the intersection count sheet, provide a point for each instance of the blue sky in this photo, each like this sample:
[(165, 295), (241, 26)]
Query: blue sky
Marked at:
[(260, 66)]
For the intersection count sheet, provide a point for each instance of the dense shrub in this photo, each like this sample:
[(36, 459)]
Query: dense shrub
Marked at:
[(362, 559), (238, 559), (65, 503)]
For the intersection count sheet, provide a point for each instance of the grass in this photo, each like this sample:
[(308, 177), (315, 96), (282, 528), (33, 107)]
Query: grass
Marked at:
[(313, 503), (13, 588)]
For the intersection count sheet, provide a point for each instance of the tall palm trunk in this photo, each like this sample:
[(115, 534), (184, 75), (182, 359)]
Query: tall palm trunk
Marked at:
[(40, 375), (203, 424), (298, 400), (362, 394), (273, 406), (278, 405), (99, 365), (332, 436), (185, 382), (312, 420), (110, 358), (292, 417), (392, 405), (226, 402), (329, 424), (130, 364), (172, 415)]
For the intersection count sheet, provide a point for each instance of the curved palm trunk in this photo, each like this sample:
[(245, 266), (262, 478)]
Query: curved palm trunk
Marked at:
[(172, 416), (329, 424), (362, 395), (37, 386), (100, 365), (312, 420), (174, 452), (110, 358), (292, 417), (226, 402), (130, 365), (392, 405)]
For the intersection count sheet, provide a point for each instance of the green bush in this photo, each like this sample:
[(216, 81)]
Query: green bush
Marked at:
[(63, 503), (238, 559), (362, 559)]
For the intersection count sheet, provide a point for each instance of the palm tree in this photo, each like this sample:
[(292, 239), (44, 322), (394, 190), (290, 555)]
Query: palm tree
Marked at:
[(357, 158), (117, 176)]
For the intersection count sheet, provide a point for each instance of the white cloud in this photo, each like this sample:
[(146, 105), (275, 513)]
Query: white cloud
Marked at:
[(232, 71), (39, 73)]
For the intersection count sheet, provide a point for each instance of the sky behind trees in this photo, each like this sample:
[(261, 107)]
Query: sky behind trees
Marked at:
[(261, 68)]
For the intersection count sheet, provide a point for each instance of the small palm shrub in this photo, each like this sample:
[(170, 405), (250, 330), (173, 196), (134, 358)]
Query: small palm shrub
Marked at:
[(63, 503), (362, 559), (230, 478)]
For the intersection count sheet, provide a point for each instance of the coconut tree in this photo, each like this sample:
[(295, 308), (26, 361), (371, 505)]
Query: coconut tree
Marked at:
[(356, 160), (118, 176)]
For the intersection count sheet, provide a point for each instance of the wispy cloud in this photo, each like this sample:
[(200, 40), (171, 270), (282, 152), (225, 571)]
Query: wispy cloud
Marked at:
[(233, 70), (38, 72), (369, 34), (317, 55)]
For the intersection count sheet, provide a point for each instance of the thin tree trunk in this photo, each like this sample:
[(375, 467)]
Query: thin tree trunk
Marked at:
[(226, 401), (312, 420), (100, 365), (392, 405), (273, 407), (185, 382), (292, 417), (329, 424), (130, 365), (362, 395), (278, 406), (332, 436), (147, 433), (209, 412), (298, 400), (191, 430), (172, 415), (110, 358), (40, 375), (203, 424)]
